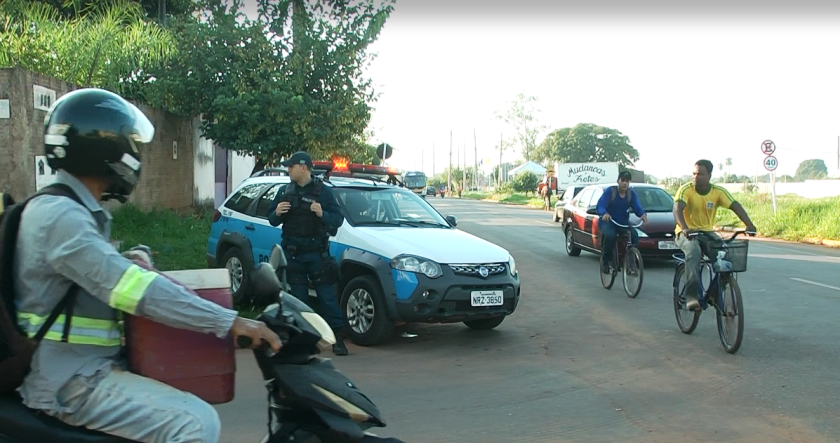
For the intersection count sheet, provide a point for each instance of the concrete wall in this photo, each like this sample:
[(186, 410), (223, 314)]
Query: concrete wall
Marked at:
[(167, 174), (179, 166)]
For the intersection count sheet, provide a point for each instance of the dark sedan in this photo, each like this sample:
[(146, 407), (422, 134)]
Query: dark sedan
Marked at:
[(580, 221)]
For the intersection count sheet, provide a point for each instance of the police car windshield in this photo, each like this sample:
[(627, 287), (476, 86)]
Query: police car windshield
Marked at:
[(387, 206)]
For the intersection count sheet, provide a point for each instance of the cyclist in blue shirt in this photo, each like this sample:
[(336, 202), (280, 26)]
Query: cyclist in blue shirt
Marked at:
[(616, 203)]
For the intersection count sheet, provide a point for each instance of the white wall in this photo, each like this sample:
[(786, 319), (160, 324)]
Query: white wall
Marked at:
[(240, 168), (204, 172)]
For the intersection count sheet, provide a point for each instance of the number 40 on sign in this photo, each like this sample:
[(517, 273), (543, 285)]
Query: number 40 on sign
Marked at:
[(770, 163)]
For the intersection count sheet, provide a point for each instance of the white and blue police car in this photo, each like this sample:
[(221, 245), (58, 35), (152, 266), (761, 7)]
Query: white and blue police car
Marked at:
[(400, 260)]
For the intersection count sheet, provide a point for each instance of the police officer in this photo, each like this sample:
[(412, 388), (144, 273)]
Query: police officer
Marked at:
[(94, 139), (309, 214)]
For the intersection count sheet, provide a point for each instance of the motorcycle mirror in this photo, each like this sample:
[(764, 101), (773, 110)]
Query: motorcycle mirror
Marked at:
[(264, 282), (277, 259)]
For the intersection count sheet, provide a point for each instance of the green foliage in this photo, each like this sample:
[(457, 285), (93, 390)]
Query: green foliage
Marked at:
[(289, 80), (525, 181), (177, 242), (585, 143), (70, 9), (109, 44), (798, 218), (813, 169)]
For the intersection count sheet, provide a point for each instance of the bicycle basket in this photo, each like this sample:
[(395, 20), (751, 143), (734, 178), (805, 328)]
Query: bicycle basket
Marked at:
[(736, 254)]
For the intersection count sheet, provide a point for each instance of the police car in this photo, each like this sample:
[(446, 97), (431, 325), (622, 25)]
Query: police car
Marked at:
[(400, 259)]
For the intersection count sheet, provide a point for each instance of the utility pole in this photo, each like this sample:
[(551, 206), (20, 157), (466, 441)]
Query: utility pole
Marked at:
[(449, 173), (476, 182), (464, 179), (433, 159), (162, 12), (501, 141), (838, 152)]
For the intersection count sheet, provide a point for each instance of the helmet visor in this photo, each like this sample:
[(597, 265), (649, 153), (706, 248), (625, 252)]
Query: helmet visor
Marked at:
[(143, 130)]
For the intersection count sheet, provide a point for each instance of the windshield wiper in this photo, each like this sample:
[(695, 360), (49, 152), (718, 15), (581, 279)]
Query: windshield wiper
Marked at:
[(420, 223)]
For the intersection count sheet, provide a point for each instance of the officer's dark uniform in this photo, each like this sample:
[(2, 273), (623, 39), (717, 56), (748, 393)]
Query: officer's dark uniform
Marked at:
[(305, 240)]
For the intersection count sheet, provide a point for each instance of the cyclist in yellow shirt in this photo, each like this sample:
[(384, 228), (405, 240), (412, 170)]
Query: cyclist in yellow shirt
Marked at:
[(695, 206)]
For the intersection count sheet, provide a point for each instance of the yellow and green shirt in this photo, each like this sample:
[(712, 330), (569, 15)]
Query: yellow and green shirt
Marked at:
[(700, 209)]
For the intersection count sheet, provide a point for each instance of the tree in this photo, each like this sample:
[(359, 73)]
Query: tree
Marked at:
[(585, 143), (289, 80), (521, 118), (813, 169), (525, 181), (108, 45), (70, 9)]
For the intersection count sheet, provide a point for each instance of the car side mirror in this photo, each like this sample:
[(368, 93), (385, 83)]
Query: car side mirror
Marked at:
[(593, 210), (264, 282), (277, 259), (452, 220)]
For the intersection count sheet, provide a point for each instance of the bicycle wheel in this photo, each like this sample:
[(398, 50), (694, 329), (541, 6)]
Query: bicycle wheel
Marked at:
[(730, 315), (686, 320), (608, 279), (634, 272)]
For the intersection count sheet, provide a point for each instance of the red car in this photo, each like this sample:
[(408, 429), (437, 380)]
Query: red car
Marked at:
[(580, 221)]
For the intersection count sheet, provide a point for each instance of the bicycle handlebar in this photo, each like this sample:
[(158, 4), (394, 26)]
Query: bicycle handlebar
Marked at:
[(626, 226), (692, 235)]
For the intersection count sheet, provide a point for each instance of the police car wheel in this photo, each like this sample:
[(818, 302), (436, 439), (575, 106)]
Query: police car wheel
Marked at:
[(485, 323), (234, 261), (363, 307)]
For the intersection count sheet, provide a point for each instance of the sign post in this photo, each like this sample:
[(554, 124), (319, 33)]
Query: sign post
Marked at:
[(770, 164)]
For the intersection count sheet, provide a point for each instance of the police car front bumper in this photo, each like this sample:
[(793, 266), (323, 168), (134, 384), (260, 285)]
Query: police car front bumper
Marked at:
[(458, 295)]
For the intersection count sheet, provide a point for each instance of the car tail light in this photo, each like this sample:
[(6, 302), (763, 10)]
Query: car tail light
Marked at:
[(216, 215)]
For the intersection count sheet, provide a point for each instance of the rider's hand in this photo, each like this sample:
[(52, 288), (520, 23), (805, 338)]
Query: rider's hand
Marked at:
[(644, 220), (282, 208), (606, 217), (257, 331)]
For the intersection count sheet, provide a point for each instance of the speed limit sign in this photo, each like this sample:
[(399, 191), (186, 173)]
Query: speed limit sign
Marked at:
[(770, 163)]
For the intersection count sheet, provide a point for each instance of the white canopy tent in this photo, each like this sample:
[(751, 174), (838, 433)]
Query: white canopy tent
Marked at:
[(527, 166)]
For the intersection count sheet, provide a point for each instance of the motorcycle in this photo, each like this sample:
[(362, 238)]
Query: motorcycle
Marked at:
[(310, 401)]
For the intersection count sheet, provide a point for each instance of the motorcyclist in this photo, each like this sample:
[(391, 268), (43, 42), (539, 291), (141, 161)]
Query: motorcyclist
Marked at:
[(94, 139)]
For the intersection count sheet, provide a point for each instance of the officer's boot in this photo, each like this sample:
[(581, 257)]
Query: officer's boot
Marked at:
[(338, 347)]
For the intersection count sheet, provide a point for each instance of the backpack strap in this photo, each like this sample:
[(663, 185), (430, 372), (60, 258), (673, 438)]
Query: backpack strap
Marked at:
[(69, 300)]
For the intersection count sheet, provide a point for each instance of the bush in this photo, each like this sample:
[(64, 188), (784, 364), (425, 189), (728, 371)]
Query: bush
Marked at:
[(525, 181), (798, 218)]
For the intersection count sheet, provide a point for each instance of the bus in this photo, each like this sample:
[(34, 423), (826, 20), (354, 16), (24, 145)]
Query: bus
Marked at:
[(416, 181)]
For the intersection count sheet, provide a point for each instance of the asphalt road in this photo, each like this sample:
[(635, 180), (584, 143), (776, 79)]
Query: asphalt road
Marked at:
[(578, 363)]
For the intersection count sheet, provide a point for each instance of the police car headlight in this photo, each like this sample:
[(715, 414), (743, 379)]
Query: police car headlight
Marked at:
[(512, 265), (419, 265)]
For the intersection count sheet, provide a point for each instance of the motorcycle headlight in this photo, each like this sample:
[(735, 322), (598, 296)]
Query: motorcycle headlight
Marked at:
[(512, 266), (419, 265)]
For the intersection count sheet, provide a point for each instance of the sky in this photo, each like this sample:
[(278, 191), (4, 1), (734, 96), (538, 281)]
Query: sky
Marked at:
[(684, 80), (683, 84)]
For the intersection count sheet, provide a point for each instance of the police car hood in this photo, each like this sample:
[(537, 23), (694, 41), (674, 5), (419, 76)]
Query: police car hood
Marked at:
[(442, 245)]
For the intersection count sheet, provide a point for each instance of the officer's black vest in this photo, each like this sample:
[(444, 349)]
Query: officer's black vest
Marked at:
[(300, 222)]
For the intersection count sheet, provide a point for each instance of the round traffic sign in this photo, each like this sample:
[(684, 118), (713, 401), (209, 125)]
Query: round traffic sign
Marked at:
[(768, 147), (770, 163)]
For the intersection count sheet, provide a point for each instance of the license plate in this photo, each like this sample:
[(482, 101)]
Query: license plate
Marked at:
[(487, 298), (668, 245)]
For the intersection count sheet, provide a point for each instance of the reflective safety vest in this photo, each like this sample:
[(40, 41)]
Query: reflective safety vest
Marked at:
[(95, 324)]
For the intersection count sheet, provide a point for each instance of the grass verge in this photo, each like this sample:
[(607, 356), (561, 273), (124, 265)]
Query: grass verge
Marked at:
[(177, 241), (798, 218)]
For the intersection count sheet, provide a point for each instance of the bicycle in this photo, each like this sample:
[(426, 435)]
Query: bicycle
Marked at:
[(730, 259), (626, 259)]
